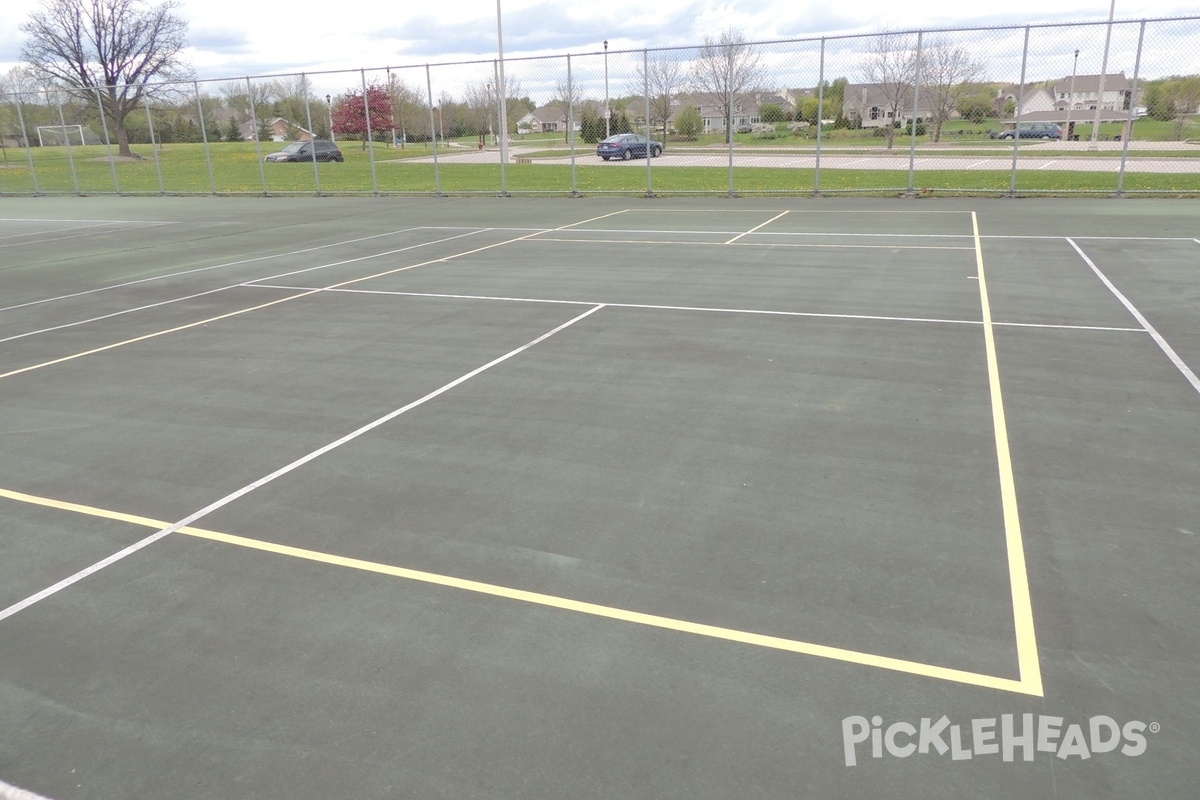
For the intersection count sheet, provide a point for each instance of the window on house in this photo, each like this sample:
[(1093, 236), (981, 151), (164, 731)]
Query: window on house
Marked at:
[(874, 111)]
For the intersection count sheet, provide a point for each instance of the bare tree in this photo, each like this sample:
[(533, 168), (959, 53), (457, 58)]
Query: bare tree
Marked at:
[(664, 76), (114, 48), (891, 67), (947, 75), (725, 69), (567, 96)]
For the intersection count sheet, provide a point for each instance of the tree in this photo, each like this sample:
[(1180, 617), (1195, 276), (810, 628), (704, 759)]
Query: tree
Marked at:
[(772, 113), (114, 48), (947, 73), (724, 70), (663, 76), (689, 123), (975, 107), (233, 132), (1174, 99), (350, 112), (891, 66)]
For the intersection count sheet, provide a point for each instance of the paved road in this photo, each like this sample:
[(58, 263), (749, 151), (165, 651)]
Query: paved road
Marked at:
[(1029, 159)]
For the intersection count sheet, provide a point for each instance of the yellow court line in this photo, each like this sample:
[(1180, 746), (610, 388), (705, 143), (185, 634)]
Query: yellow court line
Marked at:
[(1028, 662), (305, 293), (756, 227), (563, 603)]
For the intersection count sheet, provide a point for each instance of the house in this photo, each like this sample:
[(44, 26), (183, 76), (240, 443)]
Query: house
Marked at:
[(1034, 99), (552, 117), (872, 104), (1083, 93)]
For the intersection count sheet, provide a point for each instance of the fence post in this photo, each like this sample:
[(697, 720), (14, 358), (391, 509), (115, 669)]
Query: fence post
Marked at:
[(820, 116), (1137, 66), (1012, 184), (433, 132), (649, 125), (262, 172), (28, 147), (571, 127), (162, 189), (312, 135), (107, 141), (729, 124), (212, 179), (62, 121), (362, 73), (912, 139)]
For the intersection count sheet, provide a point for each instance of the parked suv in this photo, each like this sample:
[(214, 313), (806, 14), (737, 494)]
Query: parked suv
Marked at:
[(302, 151), (1035, 130)]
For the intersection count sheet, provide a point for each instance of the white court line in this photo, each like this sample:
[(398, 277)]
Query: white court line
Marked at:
[(1048, 164), (756, 227), (1000, 236), (734, 243), (10, 792), (205, 269), (59, 230), (284, 470), (977, 163), (103, 221), (233, 286), (1145, 323), (763, 312), (56, 239)]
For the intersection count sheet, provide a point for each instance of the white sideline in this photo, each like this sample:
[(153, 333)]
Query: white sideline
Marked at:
[(1145, 323), (10, 792)]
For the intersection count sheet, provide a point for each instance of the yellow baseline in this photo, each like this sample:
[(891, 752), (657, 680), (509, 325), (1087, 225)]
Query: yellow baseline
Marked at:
[(552, 601)]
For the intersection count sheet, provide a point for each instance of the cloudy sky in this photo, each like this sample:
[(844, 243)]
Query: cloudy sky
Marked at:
[(235, 38)]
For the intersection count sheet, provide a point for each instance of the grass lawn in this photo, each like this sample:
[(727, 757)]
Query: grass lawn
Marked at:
[(236, 168)]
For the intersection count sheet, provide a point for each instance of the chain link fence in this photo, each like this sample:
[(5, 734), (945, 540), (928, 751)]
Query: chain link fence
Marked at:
[(1087, 108)]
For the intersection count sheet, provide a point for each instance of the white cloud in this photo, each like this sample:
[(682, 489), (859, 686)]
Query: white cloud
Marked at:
[(235, 38)]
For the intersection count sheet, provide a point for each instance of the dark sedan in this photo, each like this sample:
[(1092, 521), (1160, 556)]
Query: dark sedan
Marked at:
[(628, 145), (303, 151)]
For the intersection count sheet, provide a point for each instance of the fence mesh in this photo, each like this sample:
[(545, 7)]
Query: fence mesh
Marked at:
[(1086, 108)]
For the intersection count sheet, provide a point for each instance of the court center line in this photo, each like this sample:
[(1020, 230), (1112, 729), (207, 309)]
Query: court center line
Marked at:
[(148, 306), (756, 227), (752, 311), (555, 601), (261, 306), (1158, 338), (1029, 665), (206, 269), (284, 470)]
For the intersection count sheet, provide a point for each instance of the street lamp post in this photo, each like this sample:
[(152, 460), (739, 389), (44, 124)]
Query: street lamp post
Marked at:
[(329, 110), (607, 113), (1071, 96)]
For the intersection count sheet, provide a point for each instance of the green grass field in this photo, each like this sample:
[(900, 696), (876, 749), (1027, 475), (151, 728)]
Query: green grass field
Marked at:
[(236, 168)]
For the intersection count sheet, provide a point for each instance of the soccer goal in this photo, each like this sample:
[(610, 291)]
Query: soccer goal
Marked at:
[(60, 135)]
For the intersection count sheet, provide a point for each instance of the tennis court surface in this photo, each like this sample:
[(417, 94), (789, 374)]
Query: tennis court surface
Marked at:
[(599, 498)]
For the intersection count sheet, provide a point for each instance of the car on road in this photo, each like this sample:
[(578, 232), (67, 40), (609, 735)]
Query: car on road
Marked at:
[(628, 145), (303, 151), (1034, 130)]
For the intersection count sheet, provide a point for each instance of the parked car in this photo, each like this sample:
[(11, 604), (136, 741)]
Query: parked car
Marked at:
[(628, 145), (1034, 130), (303, 151)]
